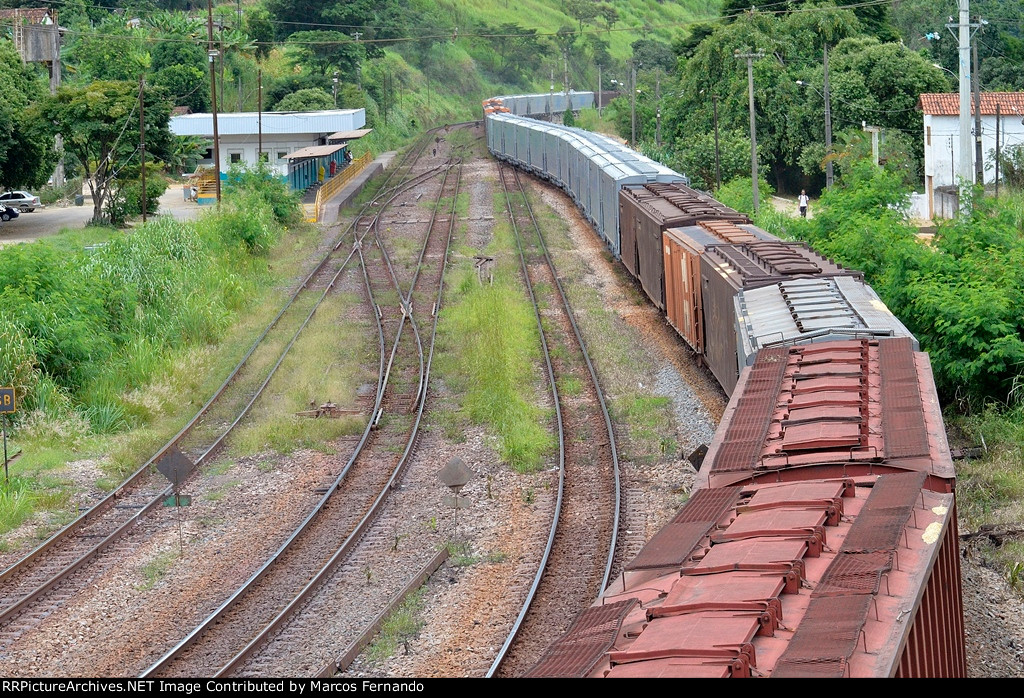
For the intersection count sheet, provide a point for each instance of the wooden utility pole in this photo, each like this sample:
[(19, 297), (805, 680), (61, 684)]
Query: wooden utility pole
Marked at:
[(212, 54), (142, 140), (749, 58)]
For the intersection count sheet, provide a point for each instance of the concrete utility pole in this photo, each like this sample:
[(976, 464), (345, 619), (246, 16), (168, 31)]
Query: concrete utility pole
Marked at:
[(359, 68), (599, 90), (749, 57), (964, 37), (874, 131), (829, 179), (979, 158)]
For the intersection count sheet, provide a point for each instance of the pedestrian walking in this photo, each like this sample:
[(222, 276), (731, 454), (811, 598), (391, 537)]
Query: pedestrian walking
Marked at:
[(193, 193), (803, 203)]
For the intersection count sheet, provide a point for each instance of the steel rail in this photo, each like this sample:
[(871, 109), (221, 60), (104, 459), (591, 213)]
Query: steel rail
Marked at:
[(503, 651), (144, 471), (597, 387), (263, 637), (236, 596), (108, 501)]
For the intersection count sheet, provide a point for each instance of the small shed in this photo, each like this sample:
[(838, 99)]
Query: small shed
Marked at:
[(305, 163)]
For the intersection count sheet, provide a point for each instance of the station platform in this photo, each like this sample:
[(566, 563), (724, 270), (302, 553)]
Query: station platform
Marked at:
[(333, 206)]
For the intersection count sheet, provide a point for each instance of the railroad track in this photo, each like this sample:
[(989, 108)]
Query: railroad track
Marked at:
[(577, 561), (36, 585), (245, 633)]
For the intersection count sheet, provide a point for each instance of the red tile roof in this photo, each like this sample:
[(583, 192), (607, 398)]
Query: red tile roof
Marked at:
[(32, 16), (948, 104)]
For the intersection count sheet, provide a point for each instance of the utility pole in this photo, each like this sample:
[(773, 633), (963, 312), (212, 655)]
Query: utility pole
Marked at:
[(829, 179), (632, 105), (335, 89), (979, 158), (657, 100), (874, 131), (212, 54), (599, 100), (749, 57), (718, 166), (259, 114), (964, 38), (359, 68), (565, 68), (142, 139), (998, 118), (551, 96)]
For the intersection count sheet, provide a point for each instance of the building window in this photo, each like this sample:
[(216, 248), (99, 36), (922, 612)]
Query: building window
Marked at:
[(264, 156), (235, 157), (928, 135), (282, 154)]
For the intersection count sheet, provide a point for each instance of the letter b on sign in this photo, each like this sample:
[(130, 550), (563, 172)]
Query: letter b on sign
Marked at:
[(7, 402)]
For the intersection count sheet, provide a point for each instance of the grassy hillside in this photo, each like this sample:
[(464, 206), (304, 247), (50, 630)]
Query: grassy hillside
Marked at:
[(663, 19)]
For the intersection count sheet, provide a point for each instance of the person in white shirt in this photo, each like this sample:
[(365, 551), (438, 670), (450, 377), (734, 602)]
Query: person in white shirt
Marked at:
[(803, 203)]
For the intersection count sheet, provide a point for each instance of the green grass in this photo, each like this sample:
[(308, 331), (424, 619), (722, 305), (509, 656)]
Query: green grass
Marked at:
[(489, 352), (16, 504), (343, 345), (156, 569), (398, 629), (990, 490)]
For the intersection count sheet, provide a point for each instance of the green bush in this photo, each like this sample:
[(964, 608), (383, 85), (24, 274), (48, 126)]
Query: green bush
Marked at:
[(263, 182)]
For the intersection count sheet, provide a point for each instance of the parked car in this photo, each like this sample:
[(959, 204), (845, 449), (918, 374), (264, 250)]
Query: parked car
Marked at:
[(8, 213), (22, 200)]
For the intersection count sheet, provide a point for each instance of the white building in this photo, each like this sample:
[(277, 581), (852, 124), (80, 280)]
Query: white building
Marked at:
[(942, 136), (282, 133)]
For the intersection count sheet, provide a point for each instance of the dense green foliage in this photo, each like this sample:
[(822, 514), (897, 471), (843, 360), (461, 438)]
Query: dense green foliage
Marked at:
[(961, 295), (26, 140), (81, 328), (100, 125)]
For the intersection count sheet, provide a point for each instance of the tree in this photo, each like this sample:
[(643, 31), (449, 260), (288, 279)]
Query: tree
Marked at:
[(259, 26), (651, 54), (520, 51), (100, 126), (326, 50), (582, 11), (608, 14), (186, 85), (112, 52), (312, 99), (26, 139)]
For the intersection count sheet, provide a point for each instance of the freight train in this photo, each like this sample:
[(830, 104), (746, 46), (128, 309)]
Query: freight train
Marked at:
[(821, 537)]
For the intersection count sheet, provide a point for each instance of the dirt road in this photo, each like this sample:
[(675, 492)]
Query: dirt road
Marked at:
[(51, 220)]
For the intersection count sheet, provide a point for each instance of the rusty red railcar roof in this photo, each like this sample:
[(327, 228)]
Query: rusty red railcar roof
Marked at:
[(860, 406), (791, 579)]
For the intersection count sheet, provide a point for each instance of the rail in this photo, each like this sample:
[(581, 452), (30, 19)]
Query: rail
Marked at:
[(333, 185)]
